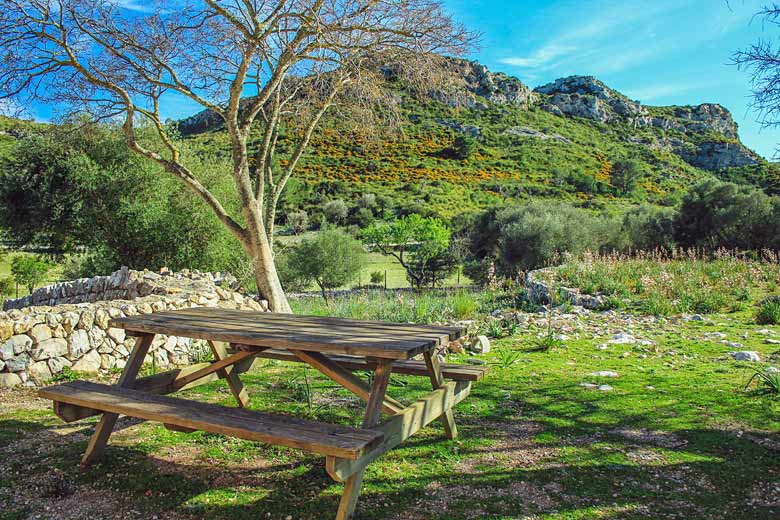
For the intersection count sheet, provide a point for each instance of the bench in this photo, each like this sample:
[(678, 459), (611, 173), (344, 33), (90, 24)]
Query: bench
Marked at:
[(451, 371), (183, 415)]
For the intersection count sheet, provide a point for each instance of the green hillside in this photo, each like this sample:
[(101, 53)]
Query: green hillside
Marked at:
[(524, 146)]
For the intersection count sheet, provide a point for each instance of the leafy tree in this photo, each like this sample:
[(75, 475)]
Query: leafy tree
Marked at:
[(463, 147), (29, 271), (717, 214), (331, 259), (335, 211), (419, 244), (626, 173), (649, 227), (299, 221), (276, 68), (6, 286)]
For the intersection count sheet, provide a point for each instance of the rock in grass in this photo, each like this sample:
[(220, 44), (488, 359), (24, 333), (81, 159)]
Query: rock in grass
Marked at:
[(604, 373), (480, 345), (623, 338), (745, 355), (605, 388), (770, 341)]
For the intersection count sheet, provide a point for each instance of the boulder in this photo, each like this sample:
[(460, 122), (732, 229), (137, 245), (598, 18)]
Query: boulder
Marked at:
[(18, 363), (118, 335), (746, 355), (57, 364), (39, 372), (90, 362), (9, 380), (78, 343), (53, 347)]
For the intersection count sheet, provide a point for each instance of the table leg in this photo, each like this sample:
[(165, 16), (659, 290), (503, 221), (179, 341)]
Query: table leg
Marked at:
[(371, 418), (97, 444), (230, 374), (437, 380)]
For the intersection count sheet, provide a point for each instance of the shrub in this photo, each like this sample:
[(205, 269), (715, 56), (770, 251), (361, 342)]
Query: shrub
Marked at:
[(377, 277), (335, 211), (463, 305), (649, 227), (332, 259), (6, 287), (767, 381), (29, 271), (769, 311), (463, 147), (625, 175), (298, 221)]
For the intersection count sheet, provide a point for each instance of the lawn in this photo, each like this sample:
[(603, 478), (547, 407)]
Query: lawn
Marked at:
[(676, 435)]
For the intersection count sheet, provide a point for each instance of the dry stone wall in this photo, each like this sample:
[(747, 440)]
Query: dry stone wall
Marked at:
[(71, 329)]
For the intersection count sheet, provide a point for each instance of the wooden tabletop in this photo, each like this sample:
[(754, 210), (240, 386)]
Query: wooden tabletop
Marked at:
[(292, 332)]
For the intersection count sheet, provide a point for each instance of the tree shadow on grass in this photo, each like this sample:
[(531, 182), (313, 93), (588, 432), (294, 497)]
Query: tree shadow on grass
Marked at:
[(625, 469)]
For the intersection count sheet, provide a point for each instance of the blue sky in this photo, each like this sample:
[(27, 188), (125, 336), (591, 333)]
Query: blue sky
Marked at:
[(660, 52)]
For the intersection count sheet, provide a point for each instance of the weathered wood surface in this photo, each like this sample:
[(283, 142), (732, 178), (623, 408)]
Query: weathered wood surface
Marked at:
[(453, 371), (402, 426), (291, 332), (437, 380), (317, 437)]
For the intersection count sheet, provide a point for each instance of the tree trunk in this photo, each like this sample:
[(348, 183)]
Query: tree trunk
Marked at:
[(267, 278)]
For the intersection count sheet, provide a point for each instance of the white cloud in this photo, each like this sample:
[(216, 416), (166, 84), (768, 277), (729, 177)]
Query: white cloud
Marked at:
[(662, 90), (541, 57)]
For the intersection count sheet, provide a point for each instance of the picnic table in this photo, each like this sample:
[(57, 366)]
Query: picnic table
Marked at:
[(336, 347)]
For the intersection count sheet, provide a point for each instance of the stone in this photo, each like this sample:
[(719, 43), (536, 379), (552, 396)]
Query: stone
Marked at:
[(90, 362), (714, 335), (39, 372), (23, 324), (101, 318), (18, 363), (732, 344), (764, 332), (78, 343), (53, 347), (86, 320), (770, 341), (622, 338), (57, 364), (6, 329), (605, 388), (480, 345), (694, 317), (745, 355), (9, 380), (118, 335), (604, 373)]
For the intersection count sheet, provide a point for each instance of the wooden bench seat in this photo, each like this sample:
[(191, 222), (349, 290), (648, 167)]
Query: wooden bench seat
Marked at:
[(317, 437), (453, 371)]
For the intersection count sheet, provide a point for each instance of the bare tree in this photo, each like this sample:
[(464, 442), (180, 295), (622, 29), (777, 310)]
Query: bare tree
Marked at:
[(267, 68), (762, 59)]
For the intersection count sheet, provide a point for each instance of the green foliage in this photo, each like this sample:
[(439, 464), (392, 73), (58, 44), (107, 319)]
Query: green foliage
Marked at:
[(463, 147), (625, 175), (29, 271), (335, 211), (715, 214), (649, 227), (420, 244), (464, 305), (377, 277), (332, 259), (6, 286), (769, 311), (298, 221), (767, 381)]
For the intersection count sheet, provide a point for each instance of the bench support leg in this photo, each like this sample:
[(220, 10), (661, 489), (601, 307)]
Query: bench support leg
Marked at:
[(437, 380), (230, 374), (97, 444), (373, 414)]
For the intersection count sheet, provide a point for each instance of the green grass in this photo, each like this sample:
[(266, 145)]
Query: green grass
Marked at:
[(6, 258), (661, 283), (684, 432)]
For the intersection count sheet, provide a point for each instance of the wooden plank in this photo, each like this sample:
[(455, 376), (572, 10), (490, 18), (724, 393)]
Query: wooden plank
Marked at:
[(216, 366), (358, 345), (255, 316), (163, 383), (345, 379), (437, 380), (373, 412), (230, 374), (99, 439), (402, 426), (452, 371), (317, 437)]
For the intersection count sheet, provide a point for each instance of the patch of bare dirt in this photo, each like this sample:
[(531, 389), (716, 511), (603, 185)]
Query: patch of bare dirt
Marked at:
[(650, 437)]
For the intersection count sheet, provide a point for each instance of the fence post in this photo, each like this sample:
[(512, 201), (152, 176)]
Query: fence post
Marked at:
[(385, 279)]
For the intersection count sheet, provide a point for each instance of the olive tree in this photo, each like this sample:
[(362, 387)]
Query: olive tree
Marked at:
[(268, 69)]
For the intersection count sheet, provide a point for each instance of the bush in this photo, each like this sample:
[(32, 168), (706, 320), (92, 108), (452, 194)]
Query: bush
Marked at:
[(298, 221), (6, 287), (538, 234), (377, 277), (332, 259), (335, 211), (769, 311), (626, 173), (463, 147), (649, 227), (29, 271)]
